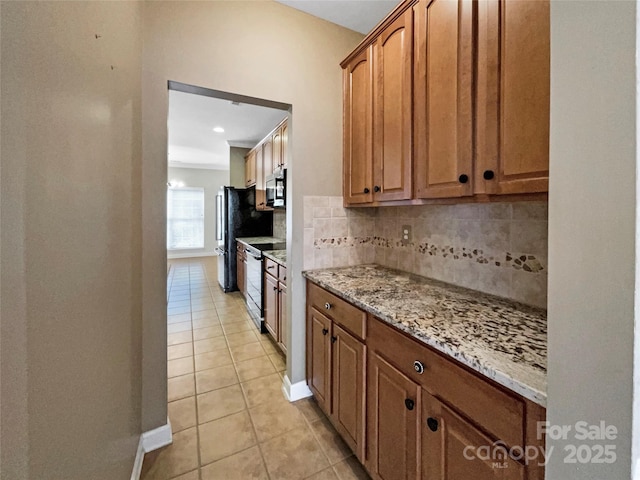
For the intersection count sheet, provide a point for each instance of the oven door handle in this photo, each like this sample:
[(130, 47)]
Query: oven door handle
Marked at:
[(257, 258)]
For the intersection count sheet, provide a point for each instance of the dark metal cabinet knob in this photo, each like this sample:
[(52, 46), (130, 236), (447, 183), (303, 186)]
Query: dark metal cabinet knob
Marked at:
[(334, 339), (432, 423), (410, 404), (366, 190), (418, 367), (275, 288), (463, 178), (376, 188), (325, 331), (488, 175)]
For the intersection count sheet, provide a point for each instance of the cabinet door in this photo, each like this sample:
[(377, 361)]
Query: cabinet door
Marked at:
[(393, 405), (276, 149), (282, 317), (250, 168), (392, 107), (319, 358), (240, 272), (271, 305), (348, 358), (285, 144), (449, 444), (443, 95), (513, 97), (261, 197), (267, 158), (358, 121)]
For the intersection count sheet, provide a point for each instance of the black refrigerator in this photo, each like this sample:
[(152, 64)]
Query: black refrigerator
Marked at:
[(237, 217)]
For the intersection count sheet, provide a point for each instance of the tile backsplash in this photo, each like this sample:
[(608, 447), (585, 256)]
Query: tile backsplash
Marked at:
[(280, 223), (498, 248)]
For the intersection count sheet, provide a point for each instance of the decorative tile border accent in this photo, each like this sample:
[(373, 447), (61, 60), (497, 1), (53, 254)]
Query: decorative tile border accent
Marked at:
[(521, 261)]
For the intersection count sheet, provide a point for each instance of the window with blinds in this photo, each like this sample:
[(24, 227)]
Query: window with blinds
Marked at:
[(185, 218)]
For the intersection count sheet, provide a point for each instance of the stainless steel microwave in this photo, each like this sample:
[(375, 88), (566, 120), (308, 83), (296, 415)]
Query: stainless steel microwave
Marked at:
[(276, 189)]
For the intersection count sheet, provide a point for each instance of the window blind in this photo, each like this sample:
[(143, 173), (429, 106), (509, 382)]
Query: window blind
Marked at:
[(185, 218)]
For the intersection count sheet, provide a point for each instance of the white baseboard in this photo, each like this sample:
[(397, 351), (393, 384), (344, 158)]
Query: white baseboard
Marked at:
[(296, 391), (157, 438), (150, 441), (171, 256)]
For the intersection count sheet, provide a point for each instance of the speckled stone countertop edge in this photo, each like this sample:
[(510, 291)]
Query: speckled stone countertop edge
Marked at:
[(250, 240), (527, 391), (278, 256)]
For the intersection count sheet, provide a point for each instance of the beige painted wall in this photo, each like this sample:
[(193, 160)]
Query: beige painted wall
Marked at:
[(261, 49), (71, 239), (592, 203), (211, 181), (236, 166)]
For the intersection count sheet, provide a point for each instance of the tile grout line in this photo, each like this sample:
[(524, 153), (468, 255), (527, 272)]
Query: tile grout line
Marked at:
[(246, 403), (195, 384)]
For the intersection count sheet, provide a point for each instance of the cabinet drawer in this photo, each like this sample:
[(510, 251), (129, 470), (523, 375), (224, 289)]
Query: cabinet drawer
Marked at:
[(270, 267), (341, 312), (493, 409), (282, 273)]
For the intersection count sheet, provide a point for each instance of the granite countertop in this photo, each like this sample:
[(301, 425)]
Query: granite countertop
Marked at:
[(278, 256), (250, 240), (503, 340)]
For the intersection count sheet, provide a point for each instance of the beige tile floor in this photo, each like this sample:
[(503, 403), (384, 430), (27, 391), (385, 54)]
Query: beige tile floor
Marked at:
[(229, 417)]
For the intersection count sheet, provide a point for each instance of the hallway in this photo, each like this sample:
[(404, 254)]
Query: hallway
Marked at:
[(229, 417)]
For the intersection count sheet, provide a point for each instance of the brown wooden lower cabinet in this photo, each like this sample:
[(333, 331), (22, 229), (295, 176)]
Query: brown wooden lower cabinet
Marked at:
[(271, 305), (407, 411), (319, 358), (348, 361), (454, 449), (393, 402), (275, 302), (336, 365), (241, 265), (282, 317)]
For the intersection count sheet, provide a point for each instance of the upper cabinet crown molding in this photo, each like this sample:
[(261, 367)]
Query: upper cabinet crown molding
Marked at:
[(447, 99)]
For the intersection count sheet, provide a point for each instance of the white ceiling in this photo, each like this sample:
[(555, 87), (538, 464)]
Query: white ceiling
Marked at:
[(192, 141), (358, 15)]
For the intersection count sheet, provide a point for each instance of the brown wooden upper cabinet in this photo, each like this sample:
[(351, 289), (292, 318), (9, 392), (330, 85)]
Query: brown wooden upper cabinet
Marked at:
[(447, 99), (443, 98), (512, 134), (377, 115), (358, 122), (250, 168), (267, 157), (261, 196), (280, 139), (392, 107), (284, 155)]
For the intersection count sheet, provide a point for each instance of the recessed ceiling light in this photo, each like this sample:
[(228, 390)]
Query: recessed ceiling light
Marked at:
[(218, 129)]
